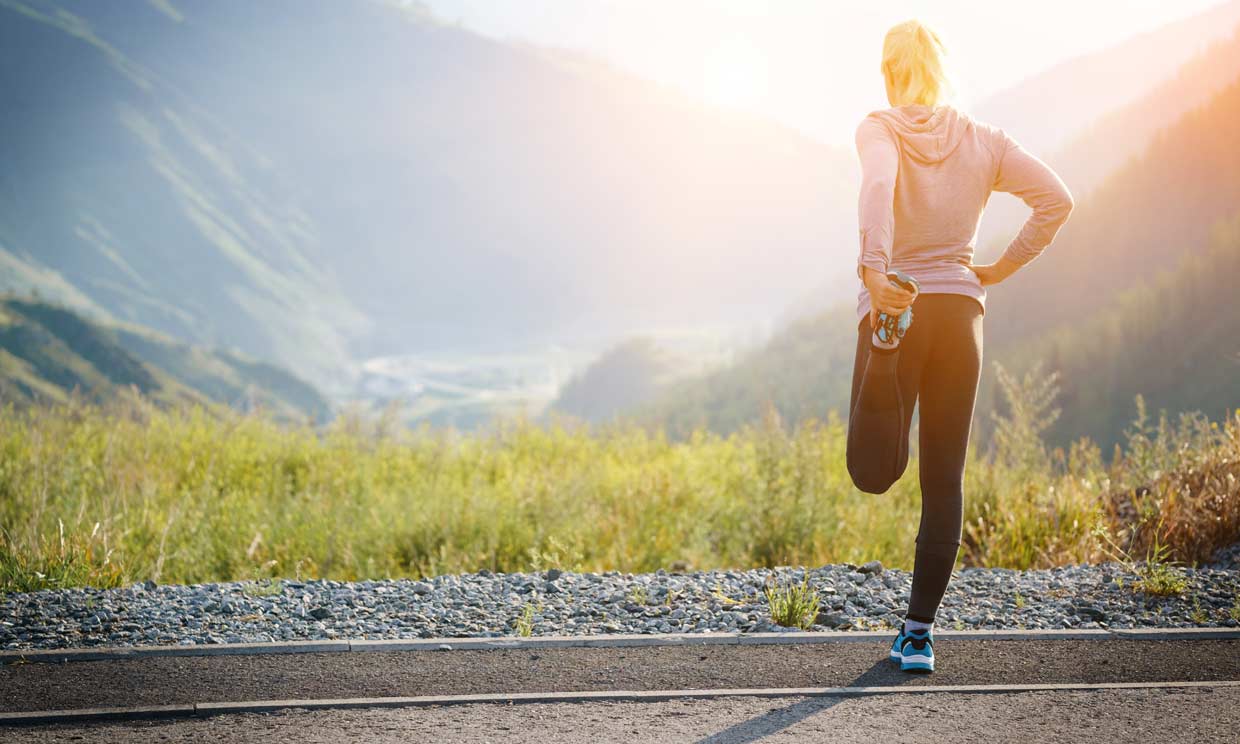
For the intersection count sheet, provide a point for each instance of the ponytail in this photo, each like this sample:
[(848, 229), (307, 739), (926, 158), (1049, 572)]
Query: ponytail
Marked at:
[(913, 64)]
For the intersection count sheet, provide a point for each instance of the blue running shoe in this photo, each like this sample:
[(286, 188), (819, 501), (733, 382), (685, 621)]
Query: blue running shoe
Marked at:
[(917, 651), (891, 329), (896, 654)]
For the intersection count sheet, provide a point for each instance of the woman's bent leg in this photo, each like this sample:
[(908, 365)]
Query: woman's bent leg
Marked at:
[(884, 392), (948, 395)]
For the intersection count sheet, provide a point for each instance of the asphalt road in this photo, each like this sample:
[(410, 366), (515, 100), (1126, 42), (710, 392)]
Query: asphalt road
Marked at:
[(1199, 716), (168, 680)]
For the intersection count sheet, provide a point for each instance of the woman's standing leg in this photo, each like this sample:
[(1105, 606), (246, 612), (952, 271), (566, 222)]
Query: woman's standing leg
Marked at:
[(948, 394)]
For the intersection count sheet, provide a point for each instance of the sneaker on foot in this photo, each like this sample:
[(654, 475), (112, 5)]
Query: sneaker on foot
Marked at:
[(896, 654), (917, 651)]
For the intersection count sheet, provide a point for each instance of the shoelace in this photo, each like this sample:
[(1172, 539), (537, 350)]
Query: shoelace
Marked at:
[(890, 325)]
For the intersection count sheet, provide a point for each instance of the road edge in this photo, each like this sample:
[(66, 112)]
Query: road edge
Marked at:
[(91, 715), (19, 656)]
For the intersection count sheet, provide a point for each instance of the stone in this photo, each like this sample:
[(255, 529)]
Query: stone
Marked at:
[(873, 567), (1092, 612), (833, 619)]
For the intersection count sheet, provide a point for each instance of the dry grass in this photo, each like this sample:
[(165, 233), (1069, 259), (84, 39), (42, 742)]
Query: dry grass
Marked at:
[(105, 496)]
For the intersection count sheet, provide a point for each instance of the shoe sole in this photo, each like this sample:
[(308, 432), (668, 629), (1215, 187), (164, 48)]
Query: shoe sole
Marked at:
[(917, 664)]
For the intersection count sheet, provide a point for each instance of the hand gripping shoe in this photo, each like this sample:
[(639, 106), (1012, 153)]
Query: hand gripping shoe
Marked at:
[(891, 329)]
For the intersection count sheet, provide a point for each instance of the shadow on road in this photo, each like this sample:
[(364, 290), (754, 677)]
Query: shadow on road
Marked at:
[(883, 673)]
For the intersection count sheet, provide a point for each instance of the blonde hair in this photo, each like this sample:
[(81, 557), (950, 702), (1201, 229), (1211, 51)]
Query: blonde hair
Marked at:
[(913, 65)]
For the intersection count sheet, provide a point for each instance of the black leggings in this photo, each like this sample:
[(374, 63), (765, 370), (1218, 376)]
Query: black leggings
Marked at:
[(939, 361)]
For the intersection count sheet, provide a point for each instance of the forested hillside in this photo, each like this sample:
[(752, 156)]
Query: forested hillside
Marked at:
[(1144, 217), (1090, 115), (804, 371), (623, 378), (1174, 340), (126, 197), (1096, 305), (317, 181), (48, 353), (1108, 143)]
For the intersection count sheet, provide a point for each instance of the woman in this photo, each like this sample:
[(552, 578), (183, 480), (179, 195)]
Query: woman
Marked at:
[(927, 172)]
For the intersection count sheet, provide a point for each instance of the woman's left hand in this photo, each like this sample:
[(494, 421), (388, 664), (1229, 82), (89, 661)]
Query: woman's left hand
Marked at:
[(995, 272)]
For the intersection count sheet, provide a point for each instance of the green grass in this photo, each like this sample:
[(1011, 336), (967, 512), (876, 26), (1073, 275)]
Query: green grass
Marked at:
[(525, 623), (639, 595), (1162, 580), (793, 605), (1199, 615), (105, 496), (1155, 575)]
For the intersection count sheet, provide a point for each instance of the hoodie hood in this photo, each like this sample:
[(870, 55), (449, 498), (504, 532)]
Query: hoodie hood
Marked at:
[(927, 134)]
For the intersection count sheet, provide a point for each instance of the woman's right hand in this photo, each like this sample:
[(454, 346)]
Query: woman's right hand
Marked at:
[(885, 296)]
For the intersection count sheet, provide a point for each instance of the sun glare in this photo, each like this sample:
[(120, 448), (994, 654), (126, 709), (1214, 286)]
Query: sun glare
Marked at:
[(736, 75)]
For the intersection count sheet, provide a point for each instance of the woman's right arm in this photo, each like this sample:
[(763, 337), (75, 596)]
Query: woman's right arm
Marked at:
[(1025, 176), (880, 164)]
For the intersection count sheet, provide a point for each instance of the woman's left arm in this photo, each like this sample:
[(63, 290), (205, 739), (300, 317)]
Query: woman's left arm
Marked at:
[(1020, 173)]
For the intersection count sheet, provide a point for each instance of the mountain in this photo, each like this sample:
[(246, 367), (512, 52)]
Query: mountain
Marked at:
[(1143, 218), (1099, 147), (804, 371), (48, 351), (1088, 115), (629, 375), (1046, 111), (127, 199), (1120, 135), (316, 182), (1157, 215), (1174, 339)]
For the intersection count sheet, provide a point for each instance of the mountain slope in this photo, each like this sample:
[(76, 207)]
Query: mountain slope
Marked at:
[(804, 371), (1083, 116), (1175, 340), (621, 379), (1150, 217), (121, 189), (1046, 111), (1100, 147), (48, 351), (1142, 218), (1122, 134), (314, 181)]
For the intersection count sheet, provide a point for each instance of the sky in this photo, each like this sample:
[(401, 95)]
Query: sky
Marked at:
[(813, 64)]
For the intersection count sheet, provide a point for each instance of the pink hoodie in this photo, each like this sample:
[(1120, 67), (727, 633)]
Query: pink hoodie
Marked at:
[(926, 175)]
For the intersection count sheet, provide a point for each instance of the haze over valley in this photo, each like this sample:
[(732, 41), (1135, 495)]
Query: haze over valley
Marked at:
[(396, 210)]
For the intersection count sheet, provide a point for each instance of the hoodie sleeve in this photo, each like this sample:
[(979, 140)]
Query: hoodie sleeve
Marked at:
[(880, 162), (1025, 176)]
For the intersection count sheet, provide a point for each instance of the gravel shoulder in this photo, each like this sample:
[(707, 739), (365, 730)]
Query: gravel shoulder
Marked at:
[(557, 602), (1199, 716)]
